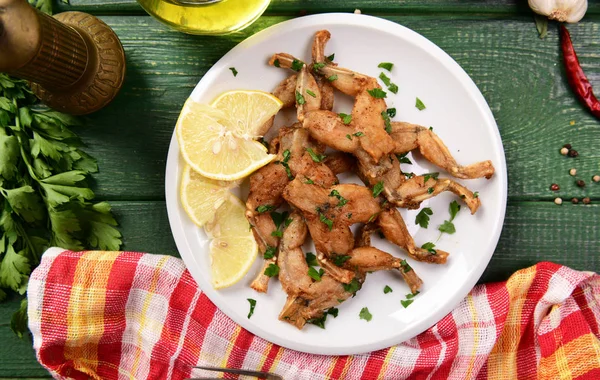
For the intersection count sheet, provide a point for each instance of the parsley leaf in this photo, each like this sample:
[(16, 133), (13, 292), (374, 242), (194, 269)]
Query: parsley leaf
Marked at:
[(387, 290), (299, 98), (403, 159), (315, 157), (333, 311), (412, 295), (476, 194), (297, 65), (320, 322), (276, 63), (349, 137), (426, 177), (272, 270), (309, 92), (277, 233), (430, 190), (309, 181), (420, 105), (358, 134), (312, 272), (279, 217), (385, 79), (377, 93), (332, 78), (393, 88), (318, 66), (386, 121), (391, 112), (352, 287), (233, 71), (342, 200), (429, 247), (405, 266), (339, 260), (346, 119), (422, 218), (311, 259), (330, 58), (447, 227), (252, 306), (328, 222), (269, 252), (364, 314), (386, 66), (406, 303), (264, 208), (454, 209), (377, 189)]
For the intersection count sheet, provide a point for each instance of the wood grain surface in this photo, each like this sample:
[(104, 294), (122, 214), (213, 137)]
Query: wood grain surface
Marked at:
[(496, 43)]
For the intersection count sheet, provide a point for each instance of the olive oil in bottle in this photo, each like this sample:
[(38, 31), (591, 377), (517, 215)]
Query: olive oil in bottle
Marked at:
[(206, 16)]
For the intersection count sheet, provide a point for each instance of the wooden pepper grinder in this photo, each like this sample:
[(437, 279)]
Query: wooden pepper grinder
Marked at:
[(74, 61)]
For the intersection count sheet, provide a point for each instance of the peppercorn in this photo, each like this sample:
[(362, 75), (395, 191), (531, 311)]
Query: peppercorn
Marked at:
[(573, 172), (596, 178), (574, 201), (568, 146), (558, 201), (564, 151), (580, 183), (573, 153), (587, 201), (554, 187)]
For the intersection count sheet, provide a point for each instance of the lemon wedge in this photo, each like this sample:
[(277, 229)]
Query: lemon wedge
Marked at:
[(201, 196), (218, 141), (232, 248)]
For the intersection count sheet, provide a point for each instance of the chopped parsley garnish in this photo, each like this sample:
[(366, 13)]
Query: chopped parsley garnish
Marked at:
[(412, 295), (264, 208), (311, 259), (328, 222), (318, 66), (279, 218), (358, 134), (286, 155), (276, 63), (312, 272), (387, 290), (391, 112), (297, 65), (342, 200), (309, 92), (315, 157), (333, 311), (372, 218), (252, 306), (405, 266), (346, 119), (429, 247), (269, 252), (332, 78), (420, 105), (430, 190), (318, 321), (476, 194), (352, 287), (403, 159), (299, 98), (277, 233), (364, 314), (431, 129), (330, 58), (339, 260), (272, 270), (234, 71), (386, 121), (377, 189), (309, 181), (349, 137), (422, 218), (349, 215), (408, 175), (384, 78), (405, 303), (386, 66), (393, 88), (377, 93), (426, 177), (448, 227)]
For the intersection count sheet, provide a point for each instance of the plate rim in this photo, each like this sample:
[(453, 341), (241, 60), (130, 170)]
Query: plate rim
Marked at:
[(174, 211)]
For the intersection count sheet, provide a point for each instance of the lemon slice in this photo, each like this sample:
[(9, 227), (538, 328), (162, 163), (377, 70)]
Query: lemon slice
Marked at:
[(217, 143), (233, 248), (201, 196), (248, 110)]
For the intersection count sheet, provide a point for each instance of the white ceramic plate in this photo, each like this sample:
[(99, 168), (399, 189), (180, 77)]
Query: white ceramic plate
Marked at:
[(459, 115)]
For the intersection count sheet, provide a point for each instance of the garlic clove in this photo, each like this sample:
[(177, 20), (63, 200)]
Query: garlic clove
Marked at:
[(561, 10)]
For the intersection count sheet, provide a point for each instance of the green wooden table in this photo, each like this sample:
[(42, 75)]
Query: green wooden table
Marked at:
[(495, 41)]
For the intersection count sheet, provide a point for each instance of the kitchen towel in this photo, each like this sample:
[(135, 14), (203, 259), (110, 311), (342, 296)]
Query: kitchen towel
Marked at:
[(128, 315)]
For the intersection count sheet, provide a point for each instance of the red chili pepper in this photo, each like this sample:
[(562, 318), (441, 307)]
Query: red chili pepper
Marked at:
[(575, 75)]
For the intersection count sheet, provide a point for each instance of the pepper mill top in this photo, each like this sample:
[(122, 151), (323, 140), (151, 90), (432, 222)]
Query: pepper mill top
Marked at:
[(74, 61)]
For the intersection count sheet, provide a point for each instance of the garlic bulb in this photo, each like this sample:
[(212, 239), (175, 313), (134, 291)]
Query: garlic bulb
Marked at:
[(560, 10)]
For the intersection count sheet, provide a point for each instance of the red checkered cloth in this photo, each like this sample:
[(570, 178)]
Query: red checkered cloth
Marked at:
[(109, 315)]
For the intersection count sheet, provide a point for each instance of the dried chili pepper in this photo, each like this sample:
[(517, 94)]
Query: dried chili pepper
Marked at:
[(575, 75)]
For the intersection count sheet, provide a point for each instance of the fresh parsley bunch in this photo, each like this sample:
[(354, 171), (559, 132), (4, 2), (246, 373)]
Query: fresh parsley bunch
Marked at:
[(44, 198)]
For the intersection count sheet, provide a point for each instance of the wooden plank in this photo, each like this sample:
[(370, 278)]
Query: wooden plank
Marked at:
[(533, 232), (520, 75), (319, 6)]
